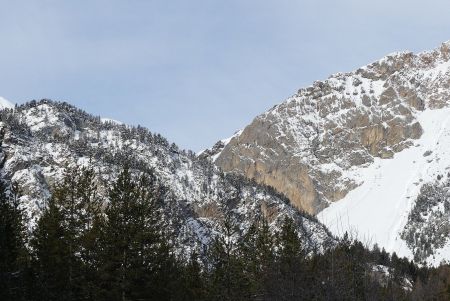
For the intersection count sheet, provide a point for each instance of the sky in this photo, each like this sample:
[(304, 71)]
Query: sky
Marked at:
[(196, 71)]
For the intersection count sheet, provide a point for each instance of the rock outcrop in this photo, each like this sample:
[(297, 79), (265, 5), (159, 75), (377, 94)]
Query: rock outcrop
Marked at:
[(307, 146)]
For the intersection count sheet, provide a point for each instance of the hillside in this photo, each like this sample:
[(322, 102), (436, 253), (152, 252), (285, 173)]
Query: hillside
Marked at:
[(42, 137), (357, 148)]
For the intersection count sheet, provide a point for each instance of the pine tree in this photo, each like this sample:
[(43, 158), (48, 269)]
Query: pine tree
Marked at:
[(193, 286), (68, 230), (51, 253), (257, 253), (290, 259), (136, 257), (89, 218), (226, 279), (13, 253)]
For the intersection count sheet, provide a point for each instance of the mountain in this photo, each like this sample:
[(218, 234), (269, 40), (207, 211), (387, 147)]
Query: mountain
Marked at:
[(42, 137), (365, 150)]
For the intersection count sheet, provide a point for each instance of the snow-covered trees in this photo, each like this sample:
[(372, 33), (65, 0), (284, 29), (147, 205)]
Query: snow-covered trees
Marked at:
[(82, 251)]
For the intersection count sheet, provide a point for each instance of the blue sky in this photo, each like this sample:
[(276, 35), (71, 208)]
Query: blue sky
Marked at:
[(196, 71)]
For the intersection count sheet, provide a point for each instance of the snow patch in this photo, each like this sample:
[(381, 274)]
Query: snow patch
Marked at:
[(225, 143), (106, 120), (5, 104), (377, 210)]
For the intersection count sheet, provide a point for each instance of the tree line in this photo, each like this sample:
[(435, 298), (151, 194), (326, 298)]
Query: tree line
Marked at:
[(84, 248)]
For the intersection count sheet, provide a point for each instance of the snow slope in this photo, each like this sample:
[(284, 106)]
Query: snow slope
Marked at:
[(5, 104), (367, 147), (42, 137), (305, 146), (377, 211)]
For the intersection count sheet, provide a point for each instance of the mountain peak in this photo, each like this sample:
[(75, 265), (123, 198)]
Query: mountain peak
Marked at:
[(316, 146)]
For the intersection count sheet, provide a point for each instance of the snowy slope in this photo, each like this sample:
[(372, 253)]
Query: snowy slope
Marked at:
[(5, 104), (377, 211), (42, 137), (363, 150)]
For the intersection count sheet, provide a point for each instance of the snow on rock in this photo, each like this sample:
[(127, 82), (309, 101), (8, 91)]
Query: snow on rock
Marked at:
[(377, 210), (43, 137), (361, 143), (214, 152)]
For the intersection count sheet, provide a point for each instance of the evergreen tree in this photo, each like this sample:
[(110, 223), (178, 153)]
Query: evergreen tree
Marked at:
[(88, 227), (225, 275), (193, 282), (136, 258), (51, 253), (67, 231), (257, 253), (87, 223), (13, 254), (290, 260)]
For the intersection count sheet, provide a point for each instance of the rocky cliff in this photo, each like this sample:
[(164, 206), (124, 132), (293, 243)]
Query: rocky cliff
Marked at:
[(308, 146)]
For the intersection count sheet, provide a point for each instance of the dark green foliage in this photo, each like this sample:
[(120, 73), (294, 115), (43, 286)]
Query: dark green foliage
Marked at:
[(81, 253), (65, 238), (192, 284), (135, 254), (51, 253), (225, 268), (84, 248), (257, 253), (290, 261), (13, 253)]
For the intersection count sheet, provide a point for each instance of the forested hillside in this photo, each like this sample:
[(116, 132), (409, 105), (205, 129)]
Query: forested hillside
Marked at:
[(96, 210), (42, 138), (81, 250)]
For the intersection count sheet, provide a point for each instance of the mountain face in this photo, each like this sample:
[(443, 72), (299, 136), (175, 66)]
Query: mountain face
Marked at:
[(41, 138), (366, 149)]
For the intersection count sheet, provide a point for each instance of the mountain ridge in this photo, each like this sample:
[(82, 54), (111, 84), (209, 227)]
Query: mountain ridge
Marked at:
[(315, 146), (42, 137)]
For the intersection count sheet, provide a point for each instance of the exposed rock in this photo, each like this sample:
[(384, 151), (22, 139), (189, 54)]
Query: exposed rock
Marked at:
[(427, 153), (41, 138), (307, 146)]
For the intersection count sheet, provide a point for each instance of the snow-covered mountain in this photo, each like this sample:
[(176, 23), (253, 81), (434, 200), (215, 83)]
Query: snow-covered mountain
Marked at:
[(41, 138), (366, 150)]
